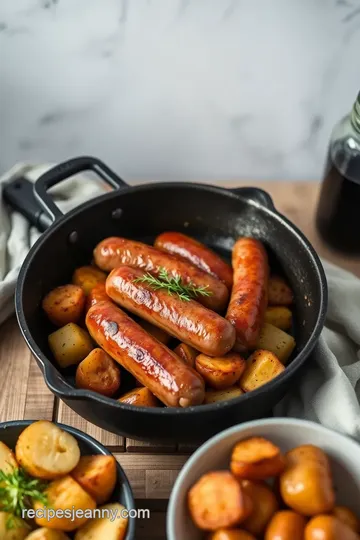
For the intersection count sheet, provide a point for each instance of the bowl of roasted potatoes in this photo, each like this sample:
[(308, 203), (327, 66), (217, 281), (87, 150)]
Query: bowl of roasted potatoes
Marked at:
[(57, 483), (274, 479)]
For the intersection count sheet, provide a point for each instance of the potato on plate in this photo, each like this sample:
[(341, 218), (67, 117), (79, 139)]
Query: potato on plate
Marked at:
[(286, 525), (65, 494), (87, 277), (45, 533), (98, 372), (256, 459), (64, 304), (157, 333), (104, 528), (141, 397), (306, 485), (277, 341), (220, 372), (70, 344), (261, 367), (18, 531), (46, 451), (97, 294), (264, 504), (217, 500), (279, 316), (348, 517), (279, 292), (323, 527), (230, 534), (186, 353), (7, 459), (97, 475), (213, 396)]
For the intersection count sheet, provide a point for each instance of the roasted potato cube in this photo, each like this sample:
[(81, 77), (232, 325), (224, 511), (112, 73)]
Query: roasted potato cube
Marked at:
[(97, 475), (98, 372), (212, 396), (45, 533), (216, 501), (278, 342), (325, 527), (64, 304), (279, 292), (286, 525), (256, 459), (306, 485), (12, 528), (70, 344), (7, 459), (264, 503), (231, 534), (261, 367), (65, 494), (46, 451), (97, 294), (155, 331), (186, 353), (141, 397), (104, 528), (279, 316), (220, 372), (348, 517), (87, 277)]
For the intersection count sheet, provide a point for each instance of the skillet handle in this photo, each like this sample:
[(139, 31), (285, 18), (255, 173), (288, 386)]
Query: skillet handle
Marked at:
[(66, 170), (255, 194)]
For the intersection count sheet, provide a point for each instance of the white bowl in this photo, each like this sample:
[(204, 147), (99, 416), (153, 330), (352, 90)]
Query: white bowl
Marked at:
[(287, 433)]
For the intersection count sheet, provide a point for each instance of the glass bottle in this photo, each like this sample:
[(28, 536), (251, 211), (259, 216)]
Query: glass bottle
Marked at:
[(338, 212)]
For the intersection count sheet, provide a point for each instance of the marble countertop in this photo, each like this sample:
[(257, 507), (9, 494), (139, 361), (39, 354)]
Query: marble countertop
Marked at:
[(177, 89)]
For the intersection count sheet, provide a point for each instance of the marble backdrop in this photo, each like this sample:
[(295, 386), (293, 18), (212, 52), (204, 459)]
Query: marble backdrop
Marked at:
[(177, 89)]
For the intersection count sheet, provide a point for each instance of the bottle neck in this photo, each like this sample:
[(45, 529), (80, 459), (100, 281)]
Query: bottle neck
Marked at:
[(355, 114)]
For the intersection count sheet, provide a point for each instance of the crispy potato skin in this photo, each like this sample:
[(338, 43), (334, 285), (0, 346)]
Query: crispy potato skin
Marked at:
[(220, 372), (97, 476), (186, 353), (45, 533), (261, 367), (216, 500), (231, 534), (87, 277), (276, 341), (45, 451), (286, 525), (324, 527), (306, 485), (213, 396), (142, 397), (256, 459), (64, 304), (265, 505), (348, 517), (103, 528), (63, 494), (19, 533), (279, 292), (70, 344), (7, 459), (279, 316), (98, 372)]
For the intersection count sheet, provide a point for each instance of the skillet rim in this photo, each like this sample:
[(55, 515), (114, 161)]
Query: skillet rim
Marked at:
[(50, 371)]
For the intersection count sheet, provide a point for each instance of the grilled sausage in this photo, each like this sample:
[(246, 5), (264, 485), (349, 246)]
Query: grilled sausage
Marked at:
[(151, 362), (115, 251), (248, 299), (97, 294), (188, 321), (197, 253)]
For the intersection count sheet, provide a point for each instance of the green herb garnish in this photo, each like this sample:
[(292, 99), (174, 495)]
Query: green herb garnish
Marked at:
[(173, 285)]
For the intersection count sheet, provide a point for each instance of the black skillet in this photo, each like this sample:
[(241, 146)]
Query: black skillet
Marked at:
[(213, 215)]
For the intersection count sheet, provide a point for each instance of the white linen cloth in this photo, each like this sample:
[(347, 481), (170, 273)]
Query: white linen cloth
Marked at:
[(329, 391)]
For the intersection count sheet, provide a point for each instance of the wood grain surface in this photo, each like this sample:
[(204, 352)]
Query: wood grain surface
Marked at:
[(151, 469)]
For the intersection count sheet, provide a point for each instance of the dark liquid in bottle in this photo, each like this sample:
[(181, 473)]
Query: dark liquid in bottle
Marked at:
[(338, 214)]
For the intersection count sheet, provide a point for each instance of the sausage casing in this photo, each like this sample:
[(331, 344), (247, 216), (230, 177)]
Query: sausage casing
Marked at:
[(148, 360), (197, 253), (188, 321), (248, 301), (115, 251)]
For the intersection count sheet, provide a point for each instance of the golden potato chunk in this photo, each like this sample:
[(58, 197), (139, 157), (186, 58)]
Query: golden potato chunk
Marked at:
[(186, 353), (220, 372), (70, 344), (264, 506), (97, 475), (256, 459), (7, 459), (103, 527), (98, 372), (213, 396), (141, 397), (348, 517), (276, 341), (231, 534), (64, 304), (286, 525), (323, 527), (280, 294), (87, 277), (45, 533), (279, 316), (18, 529), (96, 295), (46, 451), (261, 367)]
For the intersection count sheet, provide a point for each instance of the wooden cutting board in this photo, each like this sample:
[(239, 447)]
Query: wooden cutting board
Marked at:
[(152, 469)]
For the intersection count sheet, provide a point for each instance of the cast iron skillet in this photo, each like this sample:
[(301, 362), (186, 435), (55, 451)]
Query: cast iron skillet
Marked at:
[(10, 432), (215, 216)]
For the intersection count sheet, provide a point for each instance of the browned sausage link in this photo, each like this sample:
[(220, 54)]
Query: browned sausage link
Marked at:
[(97, 294), (189, 321), (248, 300), (113, 252), (151, 362), (197, 253)]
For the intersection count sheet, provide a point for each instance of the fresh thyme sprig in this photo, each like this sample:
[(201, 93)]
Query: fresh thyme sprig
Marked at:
[(173, 285), (17, 490)]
